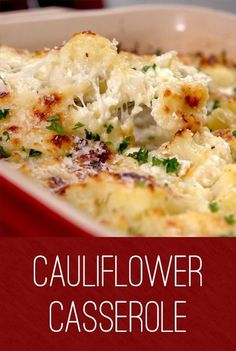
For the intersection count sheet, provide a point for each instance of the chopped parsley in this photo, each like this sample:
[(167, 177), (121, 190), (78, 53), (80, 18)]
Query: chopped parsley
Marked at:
[(141, 155), (234, 90), (7, 135), (34, 153), (171, 164), (4, 153), (4, 113), (91, 136), (234, 133), (146, 68), (123, 146), (230, 219), (108, 128), (78, 125), (216, 104), (55, 125), (213, 207), (68, 154), (156, 161)]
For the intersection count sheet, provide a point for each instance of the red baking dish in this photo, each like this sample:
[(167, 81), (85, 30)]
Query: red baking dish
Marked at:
[(29, 210), (26, 208)]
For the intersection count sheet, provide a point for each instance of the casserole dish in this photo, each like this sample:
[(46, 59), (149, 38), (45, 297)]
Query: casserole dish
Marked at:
[(165, 27)]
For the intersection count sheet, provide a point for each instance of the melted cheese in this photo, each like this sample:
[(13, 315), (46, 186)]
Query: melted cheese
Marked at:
[(75, 117)]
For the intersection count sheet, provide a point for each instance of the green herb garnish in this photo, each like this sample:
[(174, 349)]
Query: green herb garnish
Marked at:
[(141, 155), (34, 153), (7, 135), (230, 219), (156, 161), (234, 133), (146, 68), (4, 153), (55, 125), (78, 125), (171, 164), (213, 207), (123, 146), (91, 136), (108, 128), (234, 90), (68, 154), (4, 113), (216, 105)]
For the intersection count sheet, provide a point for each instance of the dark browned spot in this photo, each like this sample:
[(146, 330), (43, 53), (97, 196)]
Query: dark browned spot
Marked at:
[(3, 94), (137, 179), (86, 54), (41, 115), (199, 54), (95, 155), (166, 109), (58, 184), (58, 140), (55, 182), (179, 133), (13, 129), (167, 93), (212, 60), (224, 133), (43, 107), (191, 122), (132, 175), (192, 101), (88, 32)]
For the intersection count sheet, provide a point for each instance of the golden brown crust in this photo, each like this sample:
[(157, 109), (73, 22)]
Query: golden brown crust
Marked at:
[(138, 142)]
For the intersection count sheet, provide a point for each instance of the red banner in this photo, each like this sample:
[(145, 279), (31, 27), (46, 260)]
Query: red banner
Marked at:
[(117, 294)]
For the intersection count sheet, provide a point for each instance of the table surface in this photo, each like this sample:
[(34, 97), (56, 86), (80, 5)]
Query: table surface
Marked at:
[(226, 5)]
